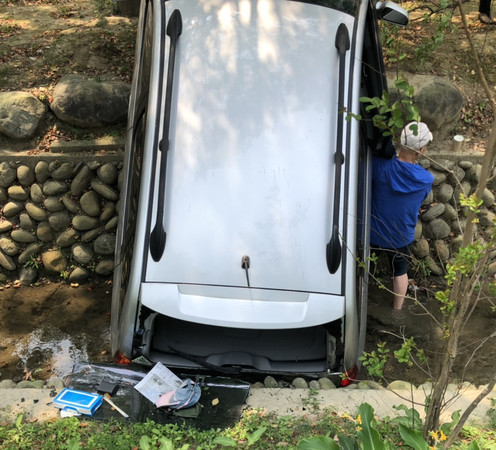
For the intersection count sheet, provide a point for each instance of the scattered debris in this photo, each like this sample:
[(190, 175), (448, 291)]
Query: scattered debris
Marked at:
[(106, 397)]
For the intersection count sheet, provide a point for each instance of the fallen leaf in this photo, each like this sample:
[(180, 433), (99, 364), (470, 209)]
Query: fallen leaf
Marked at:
[(215, 402)]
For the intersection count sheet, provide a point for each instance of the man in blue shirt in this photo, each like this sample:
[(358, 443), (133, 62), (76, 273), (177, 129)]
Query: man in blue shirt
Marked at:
[(399, 186)]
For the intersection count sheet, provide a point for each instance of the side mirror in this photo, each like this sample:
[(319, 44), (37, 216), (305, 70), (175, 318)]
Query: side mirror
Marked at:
[(392, 13)]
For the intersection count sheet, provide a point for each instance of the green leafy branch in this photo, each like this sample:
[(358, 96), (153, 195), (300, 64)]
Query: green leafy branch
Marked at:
[(391, 117)]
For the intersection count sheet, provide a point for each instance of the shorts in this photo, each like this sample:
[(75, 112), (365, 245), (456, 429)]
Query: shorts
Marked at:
[(398, 258)]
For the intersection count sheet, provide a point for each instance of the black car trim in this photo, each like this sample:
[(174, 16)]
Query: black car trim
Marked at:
[(158, 235), (333, 249)]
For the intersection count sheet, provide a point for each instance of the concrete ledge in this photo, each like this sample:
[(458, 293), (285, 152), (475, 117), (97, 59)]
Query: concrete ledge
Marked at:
[(289, 402), (108, 143), (30, 159), (36, 404)]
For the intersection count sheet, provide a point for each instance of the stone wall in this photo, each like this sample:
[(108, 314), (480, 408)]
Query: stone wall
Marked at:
[(442, 221), (59, 214)]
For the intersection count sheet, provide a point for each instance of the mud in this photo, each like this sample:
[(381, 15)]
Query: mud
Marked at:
[(421, 320), (45, 329)]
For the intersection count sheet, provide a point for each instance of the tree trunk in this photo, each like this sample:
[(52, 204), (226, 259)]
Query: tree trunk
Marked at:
[(463, 286)]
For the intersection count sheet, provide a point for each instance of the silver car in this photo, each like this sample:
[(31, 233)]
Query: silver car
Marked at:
[(244, 206)]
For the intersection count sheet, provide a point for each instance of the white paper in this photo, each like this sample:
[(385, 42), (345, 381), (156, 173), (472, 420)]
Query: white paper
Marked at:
[(157, 382), (68, 413)]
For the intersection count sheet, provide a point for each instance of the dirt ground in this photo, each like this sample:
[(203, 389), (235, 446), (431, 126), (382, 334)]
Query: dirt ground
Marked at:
[(43, 40), (476, 363), (452, 59), (45, 329)]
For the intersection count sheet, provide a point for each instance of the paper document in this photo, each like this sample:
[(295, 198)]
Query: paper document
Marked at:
[(157, 382)]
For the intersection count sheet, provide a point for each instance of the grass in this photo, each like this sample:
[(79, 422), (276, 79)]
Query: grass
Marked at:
[(255, 430)]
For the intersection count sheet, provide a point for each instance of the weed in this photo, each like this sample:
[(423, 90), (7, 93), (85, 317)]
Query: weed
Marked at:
[(375, 361), (492, 414), (106, 7), (33, 261), (8, 30), (311, 401), (255, 429), (420, 269), (64, 274)]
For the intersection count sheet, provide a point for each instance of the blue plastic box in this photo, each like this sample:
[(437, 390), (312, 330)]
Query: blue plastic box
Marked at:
[(80, 401)]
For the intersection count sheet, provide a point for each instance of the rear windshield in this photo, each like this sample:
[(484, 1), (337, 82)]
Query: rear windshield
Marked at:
[(347, 6)]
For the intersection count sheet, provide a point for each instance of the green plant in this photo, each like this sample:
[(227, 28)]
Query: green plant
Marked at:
[(311, 401), (368, 433), (374, 361), (391, 46), (442, 20), (492, 414), (64, 274), (7, 29), (33, 261), (161, 442), (251, 439), (437, 16), (391, 116), (255, 429), (420, 269), (106, 7)]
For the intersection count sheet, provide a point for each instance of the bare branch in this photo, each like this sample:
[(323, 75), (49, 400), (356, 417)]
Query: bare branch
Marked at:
[(466, 414)]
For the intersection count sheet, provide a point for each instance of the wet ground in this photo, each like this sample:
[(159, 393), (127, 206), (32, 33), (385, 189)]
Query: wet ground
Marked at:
[(420, 319), (45, 329)]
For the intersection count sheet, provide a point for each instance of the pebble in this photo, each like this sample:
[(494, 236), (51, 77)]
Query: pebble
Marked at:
[(7, 384), (400, 385), (326, 384), (270, 382), (299, 383)]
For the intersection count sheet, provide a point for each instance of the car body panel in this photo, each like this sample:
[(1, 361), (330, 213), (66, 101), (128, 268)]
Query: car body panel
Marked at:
[(253, 183)]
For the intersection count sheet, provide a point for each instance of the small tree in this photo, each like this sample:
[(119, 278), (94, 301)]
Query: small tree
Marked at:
[(463, 277), (466, 271)]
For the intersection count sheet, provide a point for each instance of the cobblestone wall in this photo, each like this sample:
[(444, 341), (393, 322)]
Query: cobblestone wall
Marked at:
[(59, 215), (442, 221)]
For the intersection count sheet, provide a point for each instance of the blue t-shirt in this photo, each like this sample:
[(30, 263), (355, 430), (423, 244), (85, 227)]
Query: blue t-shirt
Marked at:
[(398, 190)]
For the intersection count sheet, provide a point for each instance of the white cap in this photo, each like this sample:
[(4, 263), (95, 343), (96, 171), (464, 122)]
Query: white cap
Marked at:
[(418, 138)]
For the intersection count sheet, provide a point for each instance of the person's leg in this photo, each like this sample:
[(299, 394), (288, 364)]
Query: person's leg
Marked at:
[(400, 286), (485, 7), (400, 276), (485, 12)]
